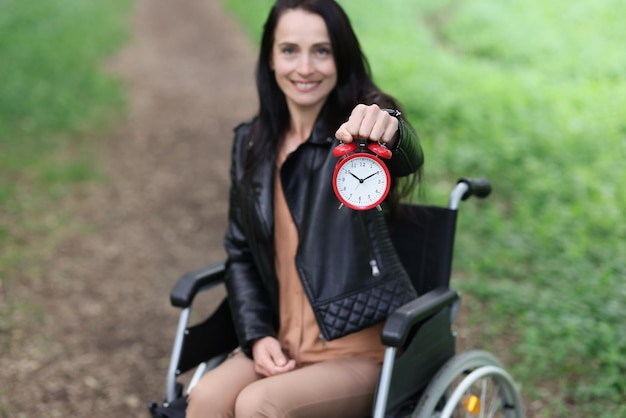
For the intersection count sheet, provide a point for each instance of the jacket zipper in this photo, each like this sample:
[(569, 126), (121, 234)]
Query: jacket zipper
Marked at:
[(372, 262), (374, 266)]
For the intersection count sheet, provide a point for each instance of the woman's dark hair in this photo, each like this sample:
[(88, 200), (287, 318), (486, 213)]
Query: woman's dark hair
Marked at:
[(354, 82)]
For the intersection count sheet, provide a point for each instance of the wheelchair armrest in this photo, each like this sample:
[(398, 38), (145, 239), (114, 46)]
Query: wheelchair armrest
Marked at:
[(191, 283), (400, 323)]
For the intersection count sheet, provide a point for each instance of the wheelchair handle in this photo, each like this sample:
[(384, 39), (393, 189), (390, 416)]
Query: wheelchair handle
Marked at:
[(467, 187)]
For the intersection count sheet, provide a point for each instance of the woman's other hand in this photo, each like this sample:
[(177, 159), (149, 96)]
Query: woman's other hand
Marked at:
[(368, 122), (269, 359)]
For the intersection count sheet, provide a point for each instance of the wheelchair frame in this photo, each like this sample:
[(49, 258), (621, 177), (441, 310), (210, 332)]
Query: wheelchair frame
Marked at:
[(435, 383)]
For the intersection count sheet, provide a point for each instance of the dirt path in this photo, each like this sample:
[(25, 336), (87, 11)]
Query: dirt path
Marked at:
[(102, 345)]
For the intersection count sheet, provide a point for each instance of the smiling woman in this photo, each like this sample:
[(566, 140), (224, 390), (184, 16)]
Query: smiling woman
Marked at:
[(313, 85), (303, 62)]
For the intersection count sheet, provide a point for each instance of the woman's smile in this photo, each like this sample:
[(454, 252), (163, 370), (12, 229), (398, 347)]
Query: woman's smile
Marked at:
[(306, 86)]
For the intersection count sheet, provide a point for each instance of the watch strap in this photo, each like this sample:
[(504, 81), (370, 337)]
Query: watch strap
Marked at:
[(397, 138)]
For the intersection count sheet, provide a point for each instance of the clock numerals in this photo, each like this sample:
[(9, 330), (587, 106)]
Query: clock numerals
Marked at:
[(361, 181)]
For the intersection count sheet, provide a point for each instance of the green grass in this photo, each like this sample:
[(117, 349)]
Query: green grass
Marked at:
[(531, 94), (54, 99), (53, 88)]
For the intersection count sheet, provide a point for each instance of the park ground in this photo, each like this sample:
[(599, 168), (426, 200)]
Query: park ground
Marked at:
[(94, 336)]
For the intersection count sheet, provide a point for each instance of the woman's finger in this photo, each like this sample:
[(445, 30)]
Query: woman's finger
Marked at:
[(391, 128), (269, 359)]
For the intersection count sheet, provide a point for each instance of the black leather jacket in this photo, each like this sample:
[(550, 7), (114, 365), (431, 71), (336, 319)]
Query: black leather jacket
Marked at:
[(346, 260)]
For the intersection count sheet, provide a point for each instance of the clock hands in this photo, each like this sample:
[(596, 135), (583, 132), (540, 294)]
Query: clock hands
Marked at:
[(371, 175), (362, 180)]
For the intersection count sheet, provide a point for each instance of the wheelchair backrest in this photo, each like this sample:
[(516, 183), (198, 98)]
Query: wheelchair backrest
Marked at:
[(424, 240)]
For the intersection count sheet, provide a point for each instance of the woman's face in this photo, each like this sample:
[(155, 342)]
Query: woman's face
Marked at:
[(302, 60)]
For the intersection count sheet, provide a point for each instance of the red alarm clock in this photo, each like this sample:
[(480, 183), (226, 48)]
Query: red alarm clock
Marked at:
[(361, 180)]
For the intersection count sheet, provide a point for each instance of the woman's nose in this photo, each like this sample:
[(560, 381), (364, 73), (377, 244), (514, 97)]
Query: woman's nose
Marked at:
[(305, 65)]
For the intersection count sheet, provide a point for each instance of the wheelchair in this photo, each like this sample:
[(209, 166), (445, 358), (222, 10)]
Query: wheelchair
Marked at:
[(421, 376)]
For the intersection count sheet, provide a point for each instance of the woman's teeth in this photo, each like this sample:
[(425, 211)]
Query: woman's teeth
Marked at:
[(305, 86)]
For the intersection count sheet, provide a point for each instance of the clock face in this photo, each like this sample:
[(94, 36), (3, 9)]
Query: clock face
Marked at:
[(361, 181)]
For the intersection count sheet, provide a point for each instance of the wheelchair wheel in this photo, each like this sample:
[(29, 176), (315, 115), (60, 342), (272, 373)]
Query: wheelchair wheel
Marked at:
[(471, 384)]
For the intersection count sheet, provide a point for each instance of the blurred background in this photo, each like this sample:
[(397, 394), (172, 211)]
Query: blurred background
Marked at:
[(530, 94)]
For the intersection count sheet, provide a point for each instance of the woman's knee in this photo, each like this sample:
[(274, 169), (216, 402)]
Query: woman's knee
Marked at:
[(258, 400), (215, 393), (206, 402)]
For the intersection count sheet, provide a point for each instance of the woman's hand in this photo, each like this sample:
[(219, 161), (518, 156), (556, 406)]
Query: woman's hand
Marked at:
[(368, 122), (269, 359)]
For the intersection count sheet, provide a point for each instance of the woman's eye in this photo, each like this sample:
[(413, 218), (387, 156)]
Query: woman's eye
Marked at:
[(288, 51), (324, 51)]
